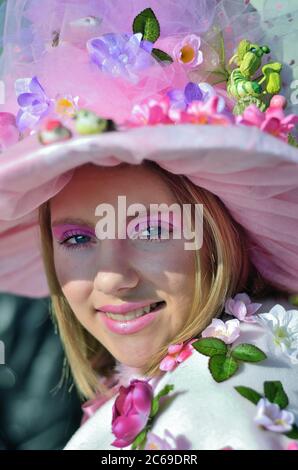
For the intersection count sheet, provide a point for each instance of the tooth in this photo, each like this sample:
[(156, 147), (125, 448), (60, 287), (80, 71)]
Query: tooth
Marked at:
[(131, 315)]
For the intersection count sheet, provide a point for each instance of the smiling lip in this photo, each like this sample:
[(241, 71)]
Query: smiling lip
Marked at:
[(127, 327), (125, 308)]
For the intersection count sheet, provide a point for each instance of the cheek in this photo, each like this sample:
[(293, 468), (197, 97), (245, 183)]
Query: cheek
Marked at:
[(73, 277), (73, 266), (77, 293)]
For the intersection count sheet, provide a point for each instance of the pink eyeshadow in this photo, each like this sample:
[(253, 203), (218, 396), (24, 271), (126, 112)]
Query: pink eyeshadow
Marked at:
[(60, 231)]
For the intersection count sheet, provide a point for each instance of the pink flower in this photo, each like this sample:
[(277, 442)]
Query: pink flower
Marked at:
[(242, 308), (131, 411), (154, 442), (271, 417), (208, 112), (293, 446), (227, 332), (188, 52), (151, 112), (177, 354), (9, 133), (273, 120)]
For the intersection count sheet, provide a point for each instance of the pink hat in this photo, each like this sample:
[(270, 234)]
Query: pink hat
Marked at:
[(112, 81)]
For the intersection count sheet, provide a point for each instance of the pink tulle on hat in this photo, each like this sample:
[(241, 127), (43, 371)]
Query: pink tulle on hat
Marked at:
[(161, 96)]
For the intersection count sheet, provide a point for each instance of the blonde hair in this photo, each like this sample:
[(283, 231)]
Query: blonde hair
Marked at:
[(223, 268)]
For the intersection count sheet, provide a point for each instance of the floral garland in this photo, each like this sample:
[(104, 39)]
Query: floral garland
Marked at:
[(56, 119)]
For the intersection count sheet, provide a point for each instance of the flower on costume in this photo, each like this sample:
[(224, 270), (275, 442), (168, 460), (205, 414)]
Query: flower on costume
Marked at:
[(121, 55), (293, 446), (271, 414), (228, 332), (283, 328), (242, 308), (271, 417), (177, 353), (188, 51), (272, 121), (155, 442), (133, 413), (9, 133), (33, 101)]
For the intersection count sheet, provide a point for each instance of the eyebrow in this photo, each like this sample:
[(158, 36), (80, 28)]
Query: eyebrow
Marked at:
[(79, 221), (72, 221)]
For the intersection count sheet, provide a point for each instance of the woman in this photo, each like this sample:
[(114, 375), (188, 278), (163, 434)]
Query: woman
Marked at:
[(141, 312)]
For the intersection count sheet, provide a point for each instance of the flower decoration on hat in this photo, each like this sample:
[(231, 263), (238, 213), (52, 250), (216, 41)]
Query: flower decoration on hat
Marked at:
[(124, 55), (188, 51), (252, 87), (9, 132), (33, 101), (241, 84), (53, 131)]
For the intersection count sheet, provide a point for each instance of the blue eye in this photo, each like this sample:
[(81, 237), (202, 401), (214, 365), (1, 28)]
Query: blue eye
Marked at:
[(76, 241), (153, 232)]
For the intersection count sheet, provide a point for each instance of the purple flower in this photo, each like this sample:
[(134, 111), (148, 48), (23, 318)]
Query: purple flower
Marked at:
[(271, 417), (33, 102), (242, 308), (121, 55), (181, 99)]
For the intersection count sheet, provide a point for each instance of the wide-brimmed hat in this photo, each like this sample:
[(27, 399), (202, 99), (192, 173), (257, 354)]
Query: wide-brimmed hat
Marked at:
[(189, 85)]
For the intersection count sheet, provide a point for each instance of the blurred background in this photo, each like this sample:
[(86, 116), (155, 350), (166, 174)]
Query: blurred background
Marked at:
[(34, 412)]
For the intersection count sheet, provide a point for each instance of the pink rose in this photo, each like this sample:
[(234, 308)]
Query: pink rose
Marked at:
[(131, 412), (9, 133)]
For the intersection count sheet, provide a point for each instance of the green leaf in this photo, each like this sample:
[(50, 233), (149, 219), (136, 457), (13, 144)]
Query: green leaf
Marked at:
[(161, 55), (275, 393), (147, 24), (154, 407), (248, 353), (139, 440), (210, 346), (249, 393), (293, 434), (222, 368), (155, 402), (292, 140)]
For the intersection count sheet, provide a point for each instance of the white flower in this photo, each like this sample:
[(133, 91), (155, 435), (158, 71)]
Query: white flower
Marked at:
[(283, 328), (227, 332), (271, 417)]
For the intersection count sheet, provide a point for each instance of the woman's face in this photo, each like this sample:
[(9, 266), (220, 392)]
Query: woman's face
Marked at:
[(107, 274)]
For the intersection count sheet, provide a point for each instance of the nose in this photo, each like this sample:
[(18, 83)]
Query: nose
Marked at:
[(114, 270)]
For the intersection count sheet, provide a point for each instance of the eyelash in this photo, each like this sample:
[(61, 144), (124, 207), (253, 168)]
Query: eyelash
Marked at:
[(76, 246), (71, 246)]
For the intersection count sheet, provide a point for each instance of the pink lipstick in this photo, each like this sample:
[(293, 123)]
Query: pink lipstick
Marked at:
[(127, 327)]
